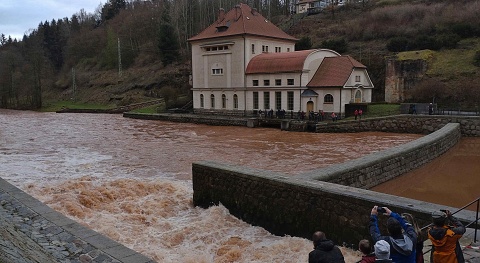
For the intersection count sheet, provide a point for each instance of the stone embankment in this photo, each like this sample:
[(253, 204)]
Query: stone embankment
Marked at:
[(32, 232), (419, 124)]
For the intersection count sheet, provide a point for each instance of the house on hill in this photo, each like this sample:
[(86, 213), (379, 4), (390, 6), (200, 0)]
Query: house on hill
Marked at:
[(243, 63)]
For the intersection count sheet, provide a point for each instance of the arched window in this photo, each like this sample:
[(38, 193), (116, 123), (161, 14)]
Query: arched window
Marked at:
[(224, 101), (202, 104), (212, 101), (328, 98), (358, 96), (235, 101)]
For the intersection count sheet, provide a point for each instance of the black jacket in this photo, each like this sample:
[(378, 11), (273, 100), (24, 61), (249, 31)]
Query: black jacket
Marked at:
[(326, 252)]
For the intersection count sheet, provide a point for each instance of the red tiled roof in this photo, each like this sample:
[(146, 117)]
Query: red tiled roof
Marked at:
[(242, 20), (334, 72), (278, 62)]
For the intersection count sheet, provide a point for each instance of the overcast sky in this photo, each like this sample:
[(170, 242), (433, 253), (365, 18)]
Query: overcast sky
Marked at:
[(19, 16)]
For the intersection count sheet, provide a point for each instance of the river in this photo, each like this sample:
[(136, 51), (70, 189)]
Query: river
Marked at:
[(131, 179)]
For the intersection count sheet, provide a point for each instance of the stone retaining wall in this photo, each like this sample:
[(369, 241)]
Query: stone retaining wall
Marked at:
[(190, 118), (30, 231), (420, 124), (376, 168)]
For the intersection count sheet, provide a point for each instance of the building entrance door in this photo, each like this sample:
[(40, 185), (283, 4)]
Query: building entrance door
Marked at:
[(309, 106)]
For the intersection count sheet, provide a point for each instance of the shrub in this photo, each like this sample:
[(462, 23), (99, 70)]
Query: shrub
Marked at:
[(448, 40), (398, 44), (464, 30), (476, 58), (339, 45), (425, 42)]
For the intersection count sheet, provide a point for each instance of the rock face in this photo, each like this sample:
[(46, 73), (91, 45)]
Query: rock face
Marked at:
[(401, 76)]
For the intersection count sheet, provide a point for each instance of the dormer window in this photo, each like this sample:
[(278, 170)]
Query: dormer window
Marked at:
[(222, 28)]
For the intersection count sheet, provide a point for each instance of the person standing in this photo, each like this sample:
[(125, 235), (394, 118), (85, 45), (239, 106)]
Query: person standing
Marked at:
[(324, 250), (402, 245), (420, 237), (382, 252), (334, 117), (356, 114), (446, 247), (367, 255), (360, 112)]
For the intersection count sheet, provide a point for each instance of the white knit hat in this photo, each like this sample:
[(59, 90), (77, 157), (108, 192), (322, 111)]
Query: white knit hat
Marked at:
[(382, 250)]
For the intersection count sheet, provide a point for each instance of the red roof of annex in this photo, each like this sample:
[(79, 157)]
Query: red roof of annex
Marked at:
[(278, 62), (334, 72)]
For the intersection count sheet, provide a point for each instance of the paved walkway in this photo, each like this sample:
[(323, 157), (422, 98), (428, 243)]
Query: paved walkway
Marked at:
[(30, 231)]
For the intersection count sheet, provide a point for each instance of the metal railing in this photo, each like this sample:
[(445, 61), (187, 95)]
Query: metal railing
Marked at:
[(467, 225)]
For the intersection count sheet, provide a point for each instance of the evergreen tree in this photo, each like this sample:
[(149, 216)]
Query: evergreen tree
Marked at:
[(167, 40), (304, 43), (112, 8)]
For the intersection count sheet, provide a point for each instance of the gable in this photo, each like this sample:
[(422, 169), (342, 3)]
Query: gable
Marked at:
[(242, 20), (334, 72)]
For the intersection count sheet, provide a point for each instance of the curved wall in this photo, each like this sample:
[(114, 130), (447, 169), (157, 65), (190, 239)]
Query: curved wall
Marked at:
[(298, 206)]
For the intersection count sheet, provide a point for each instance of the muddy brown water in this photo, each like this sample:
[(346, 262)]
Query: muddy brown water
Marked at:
[(131, 179), (453, 179)]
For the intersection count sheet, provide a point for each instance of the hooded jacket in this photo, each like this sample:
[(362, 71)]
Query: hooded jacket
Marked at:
[(402, 247), (446, 248), (326, 252)]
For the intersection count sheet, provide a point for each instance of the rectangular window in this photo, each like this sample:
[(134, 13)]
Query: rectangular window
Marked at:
[(278, 100), (255, 100), (253, 48), (290, 100), (266, 82), (264, 49), (290, 82), (278, 49), (278, 82), (357, 78), (217, 71), (288, 49), (266, 100), (255, 82)]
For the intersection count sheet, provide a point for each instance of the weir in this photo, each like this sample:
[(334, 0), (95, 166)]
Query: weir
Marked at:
[(329, 199)]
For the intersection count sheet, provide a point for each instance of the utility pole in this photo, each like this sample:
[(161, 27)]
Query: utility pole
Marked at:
[(74, 85), (119, 60)]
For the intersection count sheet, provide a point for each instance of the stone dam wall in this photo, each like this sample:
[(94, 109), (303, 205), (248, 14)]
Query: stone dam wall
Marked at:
[(419, 124), (298, 206)]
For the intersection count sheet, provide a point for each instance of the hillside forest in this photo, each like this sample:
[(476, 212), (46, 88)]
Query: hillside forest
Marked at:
[(129, 51)]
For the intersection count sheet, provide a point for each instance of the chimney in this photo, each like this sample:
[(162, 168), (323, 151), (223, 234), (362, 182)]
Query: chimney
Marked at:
[(221, 15), (238, 12)]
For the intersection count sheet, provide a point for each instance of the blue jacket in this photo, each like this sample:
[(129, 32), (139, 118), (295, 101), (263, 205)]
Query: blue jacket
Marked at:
[(402, 248)]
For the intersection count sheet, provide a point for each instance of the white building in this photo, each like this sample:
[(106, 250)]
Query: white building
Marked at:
[(242, 63)]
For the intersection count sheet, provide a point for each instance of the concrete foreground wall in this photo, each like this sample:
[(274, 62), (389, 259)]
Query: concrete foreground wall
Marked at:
[(298, 206), (30, 231)]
